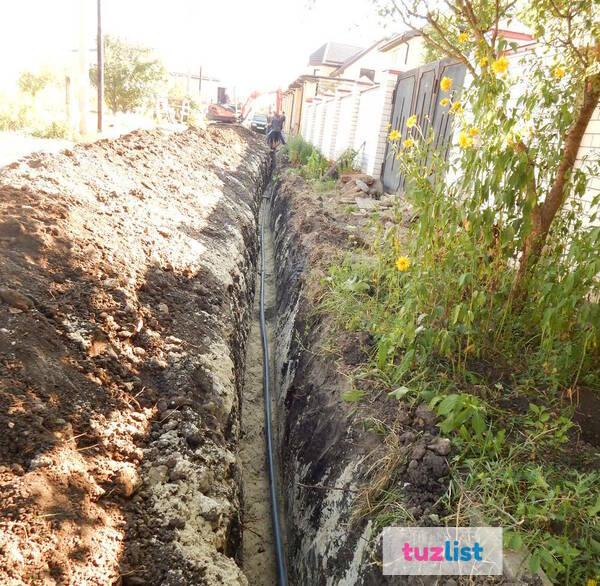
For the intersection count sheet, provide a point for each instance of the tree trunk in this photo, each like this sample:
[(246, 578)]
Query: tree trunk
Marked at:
[(543, 214)]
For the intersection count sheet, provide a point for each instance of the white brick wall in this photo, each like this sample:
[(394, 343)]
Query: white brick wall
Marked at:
[(345, 130), (590, 150)]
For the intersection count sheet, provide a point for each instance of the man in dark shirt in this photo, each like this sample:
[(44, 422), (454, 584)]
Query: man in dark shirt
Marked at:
[(275, 136)]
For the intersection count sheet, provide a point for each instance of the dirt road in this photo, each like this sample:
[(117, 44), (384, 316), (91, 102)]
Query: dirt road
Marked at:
[(126, 275)]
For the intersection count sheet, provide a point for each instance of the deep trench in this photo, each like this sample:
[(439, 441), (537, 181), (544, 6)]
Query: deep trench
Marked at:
[(259, 559)]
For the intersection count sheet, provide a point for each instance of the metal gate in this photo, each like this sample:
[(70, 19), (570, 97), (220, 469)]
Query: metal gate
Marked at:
[(418, 92)]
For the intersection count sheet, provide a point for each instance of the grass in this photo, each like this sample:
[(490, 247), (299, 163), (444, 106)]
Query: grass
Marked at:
[(511, 468)]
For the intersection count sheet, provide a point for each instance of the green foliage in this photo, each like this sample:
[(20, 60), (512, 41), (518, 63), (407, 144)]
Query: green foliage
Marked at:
[(32, 83), (315, 167), (14, 115), (346, 162), (53, 130), (309, 162), (131, 75), (443, 305), (298, 151)]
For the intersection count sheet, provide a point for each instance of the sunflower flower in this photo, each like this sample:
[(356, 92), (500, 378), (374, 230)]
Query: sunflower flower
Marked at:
[(394, 135), (473, 131), (444, 101), (500, 65), (456, 108), (463, 37), (408, 143), (558, 72), (411, 121), (446, 84), (483, 62), (402, 263), (464, 140)]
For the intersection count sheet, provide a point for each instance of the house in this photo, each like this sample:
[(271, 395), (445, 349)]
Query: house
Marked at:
[(314, 80), (346, 103)]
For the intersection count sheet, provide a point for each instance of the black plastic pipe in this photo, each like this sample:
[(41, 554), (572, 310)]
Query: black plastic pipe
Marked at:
[(273, 485)]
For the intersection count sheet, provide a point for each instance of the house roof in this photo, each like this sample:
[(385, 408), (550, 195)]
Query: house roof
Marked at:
[(398, 39), (333, 54), (354, 58)]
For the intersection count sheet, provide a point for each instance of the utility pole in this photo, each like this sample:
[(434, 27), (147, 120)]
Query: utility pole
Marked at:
[(100, 55), (83, 70)]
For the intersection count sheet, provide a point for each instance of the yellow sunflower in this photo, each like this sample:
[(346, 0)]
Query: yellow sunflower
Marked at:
[(558, 72), (446, 84), (402, 263), (409, 142), (394, 135), (411, 121), (444, 101), (464, 140), (500, 65)]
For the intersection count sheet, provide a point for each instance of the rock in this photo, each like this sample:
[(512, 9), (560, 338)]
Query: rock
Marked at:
[(362, 185), (365, 203), (418, 452), (177, 523), (425, 414), (16, 299), (437, 464), (407, 437), (181, 471), (193, 439), (163, 308), (40, 461), (157, 475), (441, 446), (17, 469), (156, 362), (127, 480)]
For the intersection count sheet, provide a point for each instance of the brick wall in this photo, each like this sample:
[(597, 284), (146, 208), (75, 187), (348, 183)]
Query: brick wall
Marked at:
[(590, 151)]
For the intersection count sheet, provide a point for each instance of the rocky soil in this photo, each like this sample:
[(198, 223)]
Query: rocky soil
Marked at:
[(126, 284)]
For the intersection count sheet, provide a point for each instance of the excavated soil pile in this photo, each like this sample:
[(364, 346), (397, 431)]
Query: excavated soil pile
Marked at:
[(126, 281)]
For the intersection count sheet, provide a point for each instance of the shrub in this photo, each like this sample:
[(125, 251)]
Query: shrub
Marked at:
[(298, 150)]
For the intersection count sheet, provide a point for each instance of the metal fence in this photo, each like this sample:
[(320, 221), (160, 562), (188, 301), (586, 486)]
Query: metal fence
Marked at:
[(418, 92)]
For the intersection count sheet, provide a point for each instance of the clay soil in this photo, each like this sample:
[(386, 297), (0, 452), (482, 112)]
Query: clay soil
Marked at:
[(123, 296)]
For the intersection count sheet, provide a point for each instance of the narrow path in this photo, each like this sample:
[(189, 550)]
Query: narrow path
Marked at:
[(259, 555)]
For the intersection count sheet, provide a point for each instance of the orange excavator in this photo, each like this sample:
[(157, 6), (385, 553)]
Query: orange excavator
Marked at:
[(233, 114)]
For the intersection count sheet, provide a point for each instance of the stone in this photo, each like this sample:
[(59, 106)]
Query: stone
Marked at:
[(425, 414), (16, 299), (365, 203), (177, 523), (127, 480), (441, 446), (157, 475), (163, 308), (362, 185), (418, 452)]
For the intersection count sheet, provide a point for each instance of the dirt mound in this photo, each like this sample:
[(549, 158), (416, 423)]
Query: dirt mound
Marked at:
[(127, 272)]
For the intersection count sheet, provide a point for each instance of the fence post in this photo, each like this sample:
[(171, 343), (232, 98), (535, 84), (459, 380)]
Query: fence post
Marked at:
[(320, 125), (354, 115), (388, 85), (337, 102)]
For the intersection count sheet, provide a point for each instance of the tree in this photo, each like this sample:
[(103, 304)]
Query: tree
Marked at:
[(559, 102), (131, 74), (34, 82)]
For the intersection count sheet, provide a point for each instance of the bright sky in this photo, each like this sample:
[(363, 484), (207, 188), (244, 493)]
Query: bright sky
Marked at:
[(255, 44)]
